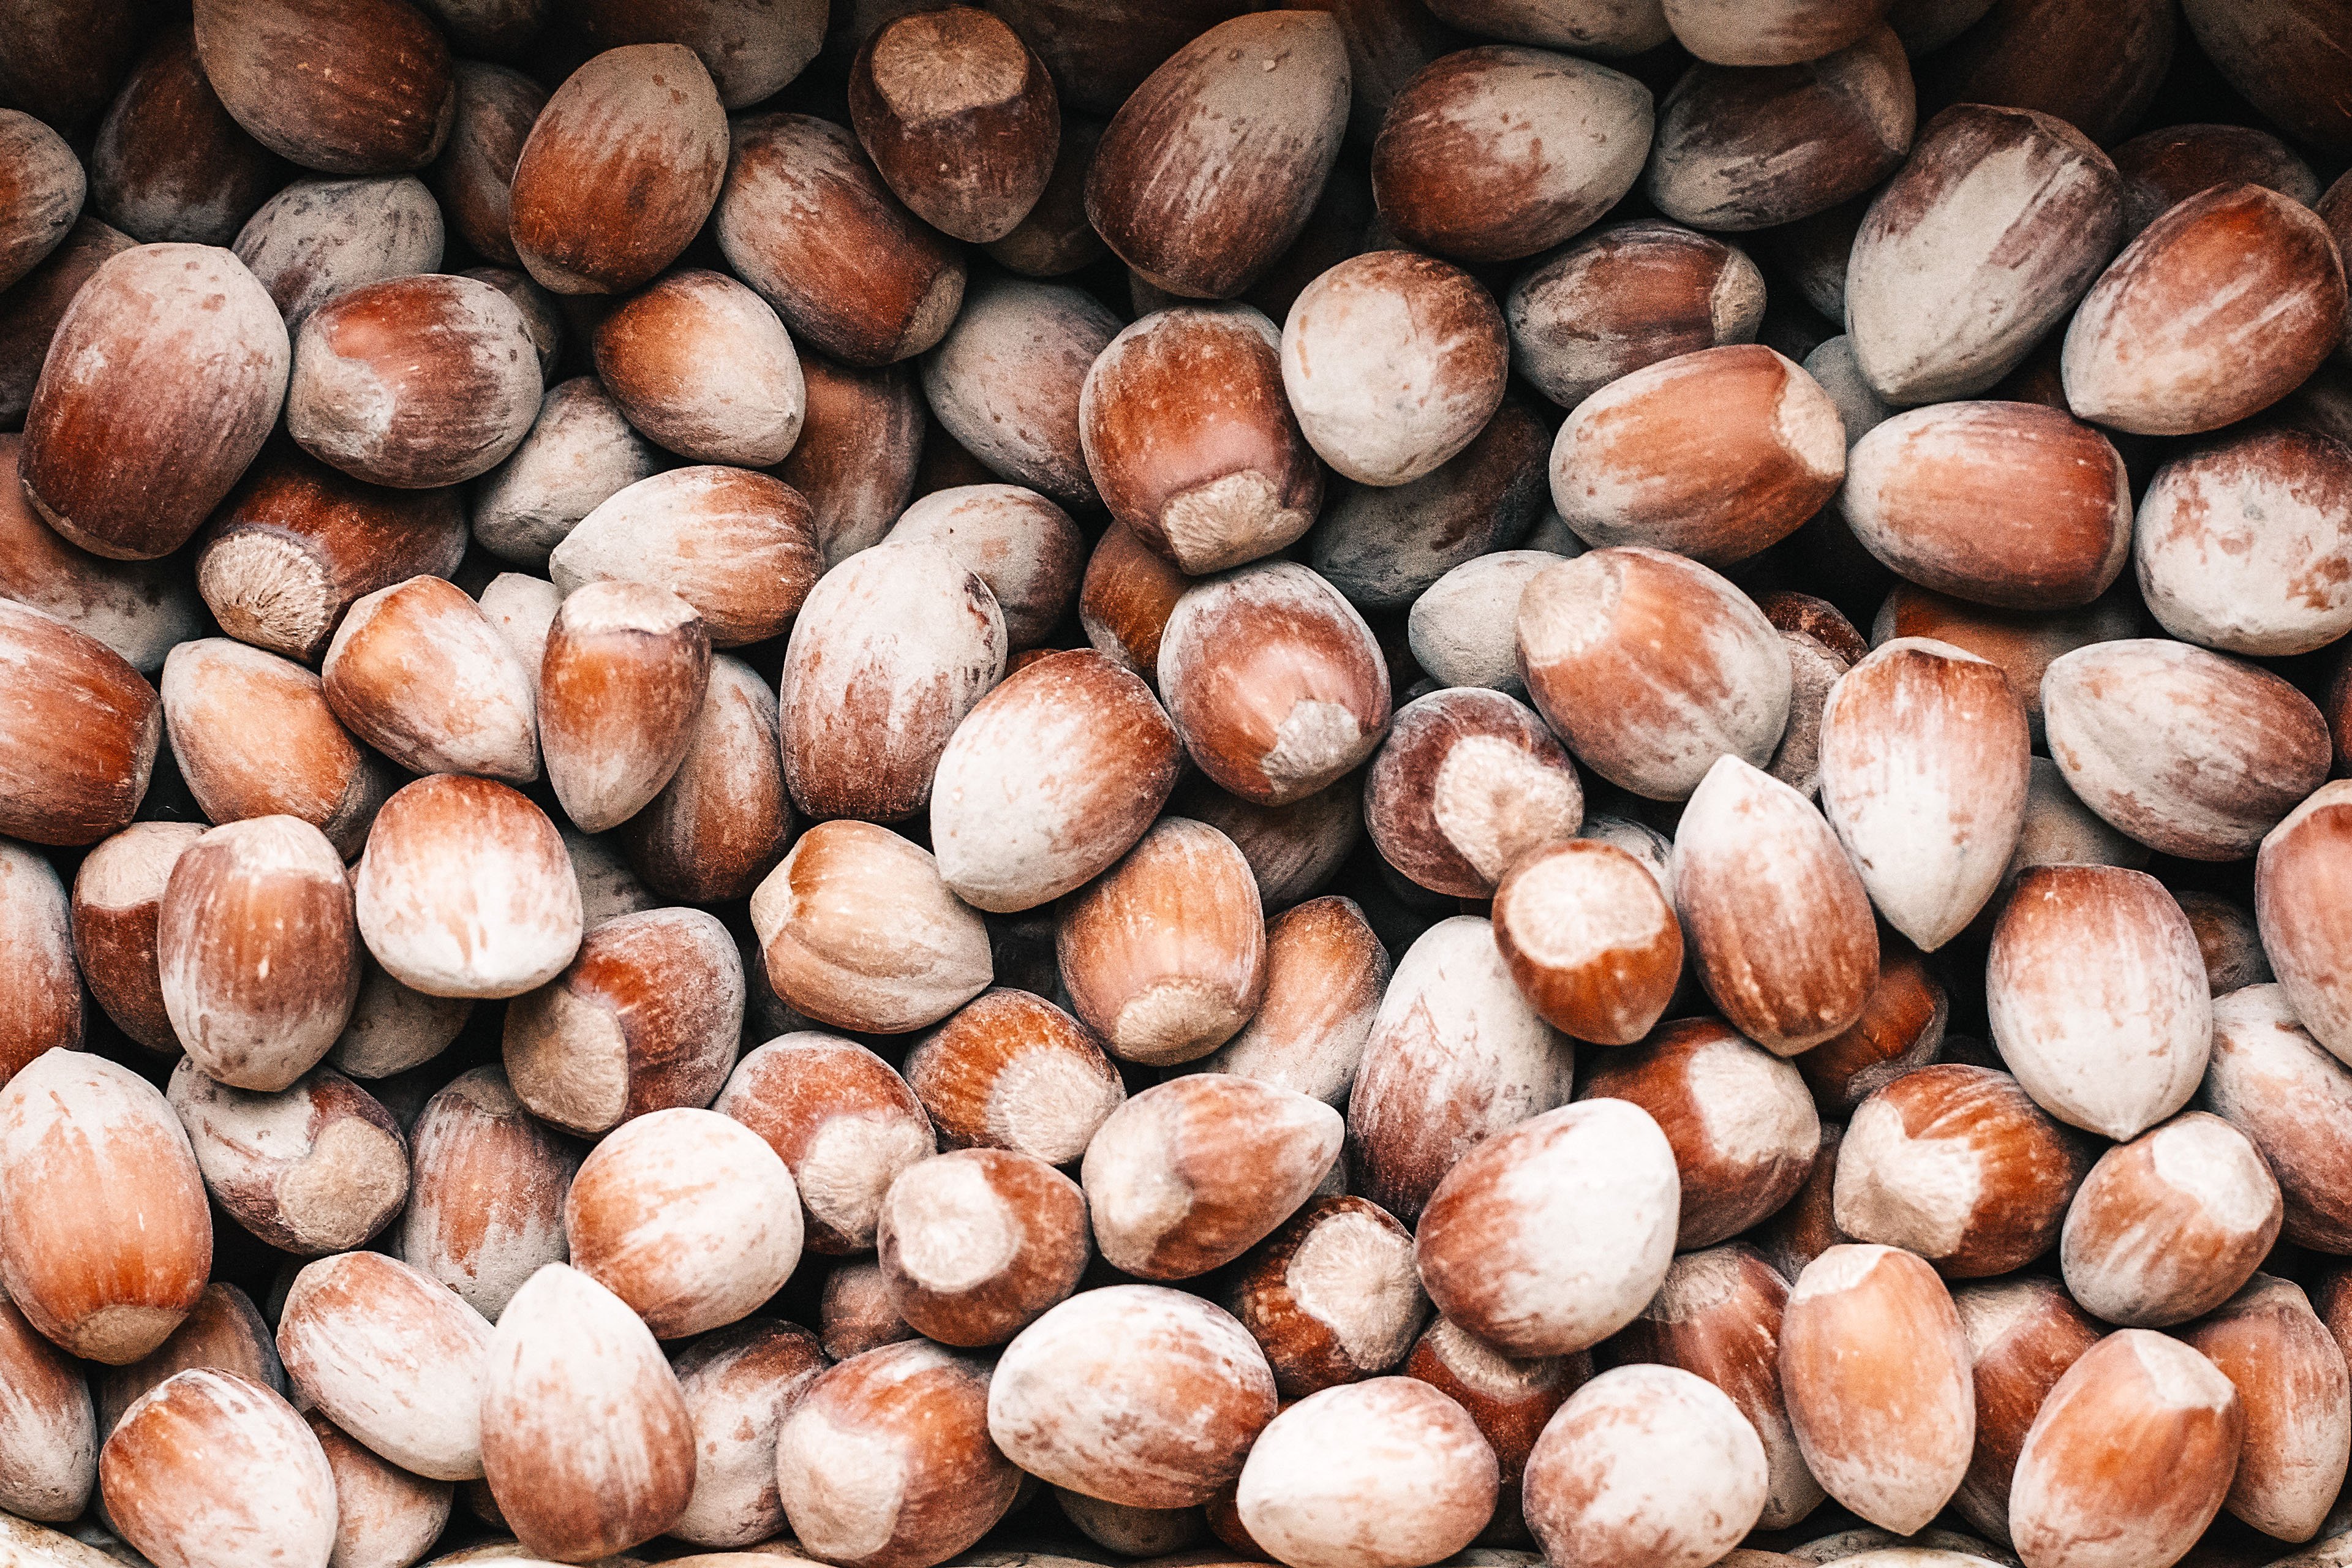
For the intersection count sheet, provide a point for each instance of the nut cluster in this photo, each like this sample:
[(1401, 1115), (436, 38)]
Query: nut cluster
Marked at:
[(1065, 781)]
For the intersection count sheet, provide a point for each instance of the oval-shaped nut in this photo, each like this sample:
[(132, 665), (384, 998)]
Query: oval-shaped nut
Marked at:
[(2305, 937), (418, 672), (2158, 349), (2097, 997), (976, 1243), (486, 1195), (384, 1516), (386, 107), (160, 1473), (1025, 548), (466, 890), (1510, 1400), (1373, 1475), (740, 1384), (1647, 1464), (2167, 1226), (2163, 168), (1467, 781), (1187, 1175), (819, 915), (315, 1168), (2129, 1458), (151, 402), (1499, 1256), (619, 686), (686, 1215), (1780, 33), (1456, 1057), (1125, 600), (1932, 493), (844, 1123), (1875, 1369), (890, 650), (48, 1439), (258, 950), (586, 1438), (2023, 1333), (1133, 1394), (1011, 1070), (117, 893), (224, 1331), (140, 609), (66, 683), (318, 237), (1326, 973), (720, 824), (2276, 1084), (2227, 936), (41, 990), (2191, 752), (1294, 850), (1006, 381), (738, 546), (581, 452), (1649, 710), (1625, 469), (414, 382), (1393, 362), (2290, 1376), (1590, 939), (1901, 1030), (474, 176), (619, 171), (2242, 543), (393, 1358), (1957, 1164), (958, 116), (885, 1462), (1739, 1119), (1994, 227), (855, 461), (1628, 295), (169, 163), (1740, 149), (701, 365), (1012, 834), (37, 303), (1331, 1296), (2023, 643)]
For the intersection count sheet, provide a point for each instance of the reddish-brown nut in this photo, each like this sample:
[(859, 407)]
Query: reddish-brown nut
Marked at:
[(162, 1471), (1806, 1227), (42, 194), (974, 1245), (686, 1215), (1372, 1475), (752, 50), (40, 989), (581, 452), (960, 118), (2023, 1333), (620, 689), (2286, 59), (738, 546), (804, 219), (318, 237), (2193, 753), (109, 1282), (842, 1122), (1467, 783), (1648, 1465), (2023, 643), (2304, 939), (384, 1516), (620, 170), (1294, 850), (1627, 297), (2158, 347), (1509, 1399), (1331, 1296), (1133, 1394), (586, 1438), (2290, 1376), (1011, 1070), (117, 893), (1957, 1165), (392, 1358), (169, 164), (160, 385), (1876, 1371), (721, 822), (318, 1167), (1932, 493), (855, 461), (254, 736), (1006, 381), (140, 609), (1125, 598), (1325, 974), (386, 107), (1648, 708), (1393, 362), (417, 672), (2242, 543), (48, 1436), (1740, 148), (1500, 1256), (2163, 168), (1901, 1029), (2129, 1458), (2167, 1226), (31, 309), (224, 1331), (2276, 1084), (1025, 548), (701, 365), (2227, 937), (474, 176), (486, 1199), (1187, 1175), (64, 683), (466, 890), (1590, 939), (2097, 73), (739, 1382)]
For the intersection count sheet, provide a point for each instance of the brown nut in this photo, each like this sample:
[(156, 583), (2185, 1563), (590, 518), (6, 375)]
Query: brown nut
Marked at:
[(315, 1168), (2278, 55), (619, 686), (1293, 851), (43, 195), (976, 1243), (2227, 937), (318, 237), (1467, 783), (844, 1123), (2276, 1084), (1053, 238), (1509, 1399), (1590, 939), (960, 118), (2161, 169), (855, 461), (161, 1469), (1901, 1029), (224, 1331), (384, 1515), (1006, 381), (169, 164), (418, 671), (386, 107), (1371, 1475), (2170, 1224), (581, 452), (1025, 548), (140, 609), (66, 683), (1326, 973), (474, 176), (37, 303), (117, 893), (720, 824), (1331, 1297), (855, 1312), (2241, 543), (48, 1440), (2022, 1334), (1645, 1463), (1781, 33), (41, 992), (2022, 642), (1627, 297), (1010, 1070), (2290, 1376), (2299, 857), (486, 1199), (740, 1384), (701, 365), (2098, 73)]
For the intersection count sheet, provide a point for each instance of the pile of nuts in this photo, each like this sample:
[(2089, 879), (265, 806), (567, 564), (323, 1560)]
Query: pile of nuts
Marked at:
[(1366, 785)]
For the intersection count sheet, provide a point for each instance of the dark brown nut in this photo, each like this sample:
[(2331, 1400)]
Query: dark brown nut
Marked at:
[(1393, 362), (2242, 543), (466, 890), (1875, 1367), (1995, 226), (1011, 1070), (1468, 781), (318, 1167), (64, 683), (1932, 493), (1187, 1175), (2191, 752), (701, 365), (1498, 1256), (1190, 440), (298, 544), (1802, 614), (581, 452), (2276, 1084), (2161, 169), (639, 128), (30, 311), (474, 176), (2094, 967), (50, 1439), (160, 385), (1650, 709), (1645, 1463), (1625, 471), (1133, 1394), (1806, 1227), (2155, 349), (1386, 1472), (486, 1199), (1901, 1030), (1274, 682), (842, 1122), (161, 1472), (855, 460), (720, 824), (885, 1462), (417, 672), (1132, 1531), (2023, 643), (1326, 973), (1101, 53), (1456, 634), (976, 1243), (739, 1382), (804, 219), (586, 1438), (1957, 1164), (2130, 1456), (2229, 940), (889, 652), (41, 992), (1631, 295), (2096, 72), (116, 894), (1777, 920), (386, 107), (169, 164), (2290, 1376), (2022, 1334), (1331, 1297), (2169, 1225), (1739, 147), (1719, 1317), (738, 546), (392, 1358), (1053, 238), (1604, 28), (686, 1215), (258, 950), (105, 1283), (318, 237), (1383, 545), (384, 1516), (959, 117), (1783, 32), (752, 49), (415, 382), (2280, 55), (1591, 940), (1007, 379), (855, 1312), (620, 688), (1026, 549)]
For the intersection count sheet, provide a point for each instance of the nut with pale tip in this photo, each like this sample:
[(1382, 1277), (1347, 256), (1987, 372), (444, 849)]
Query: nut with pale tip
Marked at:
[(1384, 1474), (315, 1168), (140, 609), (1008, 379), (703, 366), (977, 1244), (2241, 542), (2302, 930), (225, 1330), (385, 1517), (117, 893), (1326, 973), (960, 117), (1591, 940), (1331, 1297), (1647, 1465), (161, 1469), (620, 688), (844, 1124), (2273, 1082), (419, 673), (1466, 783), (2169, 1226), (474, 176), (2022, 642), (1025, 548), (1011, 1070), (1625, 296), (2023, 1333)]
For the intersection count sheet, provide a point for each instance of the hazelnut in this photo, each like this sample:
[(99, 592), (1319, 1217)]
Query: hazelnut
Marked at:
[(739, 1382), (314, 1168), (140, 609), (2022, 642), (976, 1243), (37, 303), (318, 237), (1007, 381), (1901, 1030), (1627, 297), (1331, 1296), (2303, 937), (2291, 1382), (384, 1517), (1780, 33), (1467, 783), (1295, 850), (387, 107), (1010, 1070), (701, 365), (2096, 73), (2167, 1226), (581, 452), (116, 894), (752, 51), (1025, 548), (855, 1312), (2241, 543), (620, 688), (417, 672), (169, 163), (486, 1198), (1645, 1463), (960, 118), (1125, 600), (41, 989), (1590, 939), (48, 1443), (1325, 974), (843, 1123), (162, 1472), (474, 176), (720, 824), (855, 461), (2023, 1333), (1371, 1475)]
